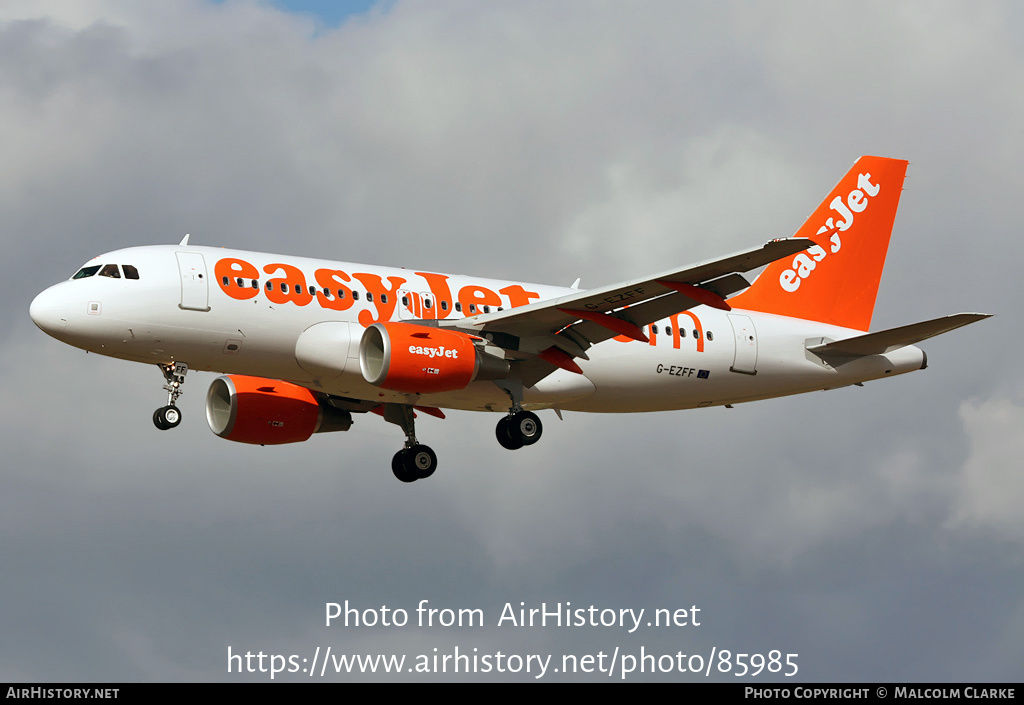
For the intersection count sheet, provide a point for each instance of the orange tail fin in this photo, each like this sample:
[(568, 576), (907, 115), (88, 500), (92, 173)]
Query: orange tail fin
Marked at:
[(836, 280)]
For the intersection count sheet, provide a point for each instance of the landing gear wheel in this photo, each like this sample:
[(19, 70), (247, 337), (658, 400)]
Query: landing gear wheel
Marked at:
[(166, 417), (507, 435), (421, 461), (528, 426), (415, 463), (398, 467), (158, 420)]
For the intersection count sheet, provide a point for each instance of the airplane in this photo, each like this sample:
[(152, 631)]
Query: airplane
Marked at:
[(306, 344)]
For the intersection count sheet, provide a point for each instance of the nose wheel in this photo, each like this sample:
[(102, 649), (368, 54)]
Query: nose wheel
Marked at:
[(167, 417), (522, 428)]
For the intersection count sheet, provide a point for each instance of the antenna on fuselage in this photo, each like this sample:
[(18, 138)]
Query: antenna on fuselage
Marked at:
[(184, 241)]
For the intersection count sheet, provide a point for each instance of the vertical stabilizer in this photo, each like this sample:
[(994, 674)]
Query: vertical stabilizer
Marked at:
[(836, 280)]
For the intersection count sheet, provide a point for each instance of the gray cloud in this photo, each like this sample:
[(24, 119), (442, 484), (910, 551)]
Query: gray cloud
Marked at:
[(870, 530)]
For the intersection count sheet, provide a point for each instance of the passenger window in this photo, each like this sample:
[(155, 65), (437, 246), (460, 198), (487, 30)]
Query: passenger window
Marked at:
[(255, 284), (226, 281), (487, 309), (327, 292), (668, 330), (682, 332), (696, 334), (355, 295), (444, 305), (270, 286), (86, 272), (369, 296), (239, 282), (710, 337), (654, 329), (458, 306), (284, 287), (312, 291), (110, 270), (383, 298), (130, 272)]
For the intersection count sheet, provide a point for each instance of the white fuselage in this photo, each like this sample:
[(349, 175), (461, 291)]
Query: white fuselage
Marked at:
[(180, 309)]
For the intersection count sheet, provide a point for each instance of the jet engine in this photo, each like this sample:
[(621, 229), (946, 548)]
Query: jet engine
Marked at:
[(406, 357), (268, 412)]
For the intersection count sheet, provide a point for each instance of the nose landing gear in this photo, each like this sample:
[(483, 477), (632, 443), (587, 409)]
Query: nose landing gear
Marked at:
[(167, 417)]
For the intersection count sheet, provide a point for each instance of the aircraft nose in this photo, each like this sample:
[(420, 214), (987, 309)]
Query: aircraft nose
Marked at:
[(49, 311)]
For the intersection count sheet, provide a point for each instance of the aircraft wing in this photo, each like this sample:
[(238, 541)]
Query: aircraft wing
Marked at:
[(574, 322)]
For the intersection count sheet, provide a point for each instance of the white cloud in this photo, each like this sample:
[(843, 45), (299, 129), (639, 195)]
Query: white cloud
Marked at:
[(990, 485)]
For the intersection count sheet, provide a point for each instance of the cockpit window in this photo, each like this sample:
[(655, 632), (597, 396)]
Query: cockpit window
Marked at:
[(130, 272), (86, 272), (110, 270)]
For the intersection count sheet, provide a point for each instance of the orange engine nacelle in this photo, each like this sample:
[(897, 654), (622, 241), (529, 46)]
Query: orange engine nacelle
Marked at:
[(268, 411), (406, 357)]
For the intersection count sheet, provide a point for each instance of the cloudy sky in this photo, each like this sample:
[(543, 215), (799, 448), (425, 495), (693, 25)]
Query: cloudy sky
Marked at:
[(874, 531)]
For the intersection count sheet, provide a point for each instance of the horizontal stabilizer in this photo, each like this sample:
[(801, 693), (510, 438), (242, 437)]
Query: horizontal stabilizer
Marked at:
[(888, 340)]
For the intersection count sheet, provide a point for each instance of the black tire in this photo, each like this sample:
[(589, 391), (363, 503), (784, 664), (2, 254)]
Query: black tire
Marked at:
[(528, 426), (420, 461), (506, 435), (166, 417), (398, 467), (158, 420)]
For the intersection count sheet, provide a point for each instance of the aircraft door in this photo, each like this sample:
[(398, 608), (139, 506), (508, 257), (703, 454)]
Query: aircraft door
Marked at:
[(745, 360), (408, 305), (413, 306), (195, 292), (428, 310)]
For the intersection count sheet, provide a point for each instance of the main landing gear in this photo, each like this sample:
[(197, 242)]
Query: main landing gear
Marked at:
[(167, 417), (415, 461), (520, 428)]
